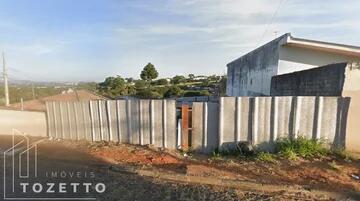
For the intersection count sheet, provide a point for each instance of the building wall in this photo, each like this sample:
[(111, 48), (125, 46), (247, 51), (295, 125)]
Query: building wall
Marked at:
[(352, 90), (322, 81), (250, 75), (293, 59)]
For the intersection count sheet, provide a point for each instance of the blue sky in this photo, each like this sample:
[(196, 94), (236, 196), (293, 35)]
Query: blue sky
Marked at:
[(87, 40)]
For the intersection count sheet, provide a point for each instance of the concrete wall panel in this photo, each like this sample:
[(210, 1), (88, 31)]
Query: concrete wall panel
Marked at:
[(170, 124), (145, 121), (135, 121), (85, 109), (30, 123), (197, 132), (65, 120), (263, 119), (96, 133), (212, 134), (329, 118), (72, 120), (123, 119), (157, 106), (112, 116), (50, 119), (228, 120), (243, 114), (282, 117)]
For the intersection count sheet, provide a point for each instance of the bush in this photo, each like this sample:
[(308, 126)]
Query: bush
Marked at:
[(148, 93), (300, 147)]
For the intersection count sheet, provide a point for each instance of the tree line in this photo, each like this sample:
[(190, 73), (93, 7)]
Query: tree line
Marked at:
[(151, 87)]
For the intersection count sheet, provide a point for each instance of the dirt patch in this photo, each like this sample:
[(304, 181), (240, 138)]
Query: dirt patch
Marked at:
[(145, 173), (328, 174)]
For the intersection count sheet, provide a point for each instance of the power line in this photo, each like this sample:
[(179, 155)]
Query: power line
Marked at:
[(271, 21)]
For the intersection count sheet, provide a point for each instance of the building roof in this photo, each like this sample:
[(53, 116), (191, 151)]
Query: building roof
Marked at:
[(288, 40), (336, 48), (74, 95)]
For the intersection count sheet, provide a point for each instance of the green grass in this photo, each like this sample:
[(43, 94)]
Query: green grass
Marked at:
[(290, 149), (266, 157)]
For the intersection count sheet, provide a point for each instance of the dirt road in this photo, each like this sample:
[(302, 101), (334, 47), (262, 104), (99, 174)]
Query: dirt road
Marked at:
[(142, 173)]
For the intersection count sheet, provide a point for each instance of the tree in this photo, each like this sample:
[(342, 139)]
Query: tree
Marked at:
[(173, 91), (178, 79), (113, 86), (161, 82), (149, 73), (191, 76), (129, 80)]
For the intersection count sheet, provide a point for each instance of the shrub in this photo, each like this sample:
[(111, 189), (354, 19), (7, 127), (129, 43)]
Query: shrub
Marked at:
[(300, 147)]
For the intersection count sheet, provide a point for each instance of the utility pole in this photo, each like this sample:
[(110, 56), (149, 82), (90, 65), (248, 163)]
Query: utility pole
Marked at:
[(7, 102)]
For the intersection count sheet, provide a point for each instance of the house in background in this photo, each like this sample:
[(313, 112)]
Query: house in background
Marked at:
[(251, 74)]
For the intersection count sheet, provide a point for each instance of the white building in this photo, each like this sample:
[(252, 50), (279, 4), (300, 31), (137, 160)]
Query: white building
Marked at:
[(250, 75)]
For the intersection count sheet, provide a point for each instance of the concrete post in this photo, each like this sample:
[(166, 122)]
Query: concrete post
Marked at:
[(77, 123), (276, 120), (255, 121), (100, 120), (238, 119), (319, 117), (108, 111), (92, 121), (164, 123), (140, 124), (62, 121), (152, 123), (128, 115), (221, 123), (118, 118), (297, 116), (205, 124)]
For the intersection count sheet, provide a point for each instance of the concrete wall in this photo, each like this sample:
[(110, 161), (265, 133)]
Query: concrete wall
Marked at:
[(353, 125), (30, 123), (262, 120), (322, 81), (250, 75), (205, 117), (127, 121), (352, 90)]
